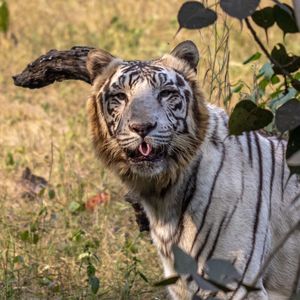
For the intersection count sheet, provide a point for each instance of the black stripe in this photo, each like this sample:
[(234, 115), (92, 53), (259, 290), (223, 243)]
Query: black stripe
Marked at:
[(188, 194), (213, 188), (243, 182), (272, 148), (179, 80), (297, 281), (272, 175), (264, 246), (212, 250), (296, 198), (190, 187), (200, 250), (126, 139), (248, 135), (282, 170), (187, 198), (225, 119), (231, 214), (257, 212), (214, 136)]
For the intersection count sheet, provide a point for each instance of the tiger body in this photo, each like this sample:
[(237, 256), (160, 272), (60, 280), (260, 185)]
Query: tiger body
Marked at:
[(213, 195)]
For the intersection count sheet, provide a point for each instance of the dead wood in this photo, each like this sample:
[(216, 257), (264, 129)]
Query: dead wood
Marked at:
[(55, 66)]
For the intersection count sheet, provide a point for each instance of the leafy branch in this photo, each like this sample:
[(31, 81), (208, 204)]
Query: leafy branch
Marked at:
[(250, 114), (263, 48)]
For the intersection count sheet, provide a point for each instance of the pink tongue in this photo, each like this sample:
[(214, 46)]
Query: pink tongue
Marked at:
[(145, 149)]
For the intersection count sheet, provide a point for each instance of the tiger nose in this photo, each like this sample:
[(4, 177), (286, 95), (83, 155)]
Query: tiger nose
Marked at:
[(142, 129)]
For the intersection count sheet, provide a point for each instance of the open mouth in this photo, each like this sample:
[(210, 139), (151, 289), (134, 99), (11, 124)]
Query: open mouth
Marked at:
[(145, 152)]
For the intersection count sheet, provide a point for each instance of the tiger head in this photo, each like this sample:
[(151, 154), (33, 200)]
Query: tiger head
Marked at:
[(147, 118)]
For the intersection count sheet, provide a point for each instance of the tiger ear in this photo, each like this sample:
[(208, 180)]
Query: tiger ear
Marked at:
[(188, 52), (97, 61)]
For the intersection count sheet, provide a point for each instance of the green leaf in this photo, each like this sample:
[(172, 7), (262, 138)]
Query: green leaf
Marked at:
[(294, 160), (24, 235), (239, 9), (282, 97), (292, 150), (42, 211), (18, 259), (34, 238), (193, 15), (290, 63), (238, 88), (275, 79), (167, 281), (287, 116), (51, 194), (183, 263), (204, 284), (247, 116), (94, 284), (9, 159), (266, 70), (264, 18), (4, 16), (253, 57), (285, 21), (263, 84), (90, 269), (221, 271), (75, 207), (28, 236)]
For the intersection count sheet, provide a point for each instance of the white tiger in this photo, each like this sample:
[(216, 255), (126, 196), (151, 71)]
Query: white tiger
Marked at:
[(213, 195)]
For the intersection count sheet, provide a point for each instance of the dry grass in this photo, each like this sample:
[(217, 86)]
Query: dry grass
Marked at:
[(47, 131)]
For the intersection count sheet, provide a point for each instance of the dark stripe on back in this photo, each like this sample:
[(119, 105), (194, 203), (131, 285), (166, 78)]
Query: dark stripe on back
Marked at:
[(214, 136), (297, 280), (243, 182), (248, 135), (272, 175), (296, 198), (257, 211), (210, 194), (200, 250), (212, 250), (282, 170), (272, 148)]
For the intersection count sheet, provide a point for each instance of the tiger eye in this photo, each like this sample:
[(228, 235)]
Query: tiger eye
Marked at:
[(166, 93), (121, 96)]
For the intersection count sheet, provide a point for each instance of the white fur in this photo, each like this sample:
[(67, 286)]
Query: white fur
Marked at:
[(236, 238)]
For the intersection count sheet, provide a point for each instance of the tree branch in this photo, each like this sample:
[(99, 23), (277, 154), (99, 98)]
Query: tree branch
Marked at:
[(263, 48), (55, 66)]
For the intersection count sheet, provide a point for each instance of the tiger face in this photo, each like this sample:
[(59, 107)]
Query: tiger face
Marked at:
[(147, 117)]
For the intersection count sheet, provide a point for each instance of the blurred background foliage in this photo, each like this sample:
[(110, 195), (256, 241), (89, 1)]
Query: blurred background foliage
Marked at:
[(51, 245)]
